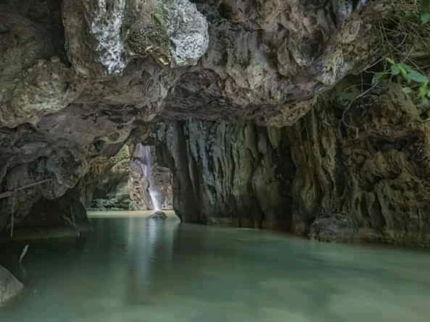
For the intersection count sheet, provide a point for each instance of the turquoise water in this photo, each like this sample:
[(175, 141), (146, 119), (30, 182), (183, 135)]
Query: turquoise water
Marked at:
[(137, 269)]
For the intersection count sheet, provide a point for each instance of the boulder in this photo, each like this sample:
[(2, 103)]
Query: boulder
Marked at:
[(10, 287), (158, 215)]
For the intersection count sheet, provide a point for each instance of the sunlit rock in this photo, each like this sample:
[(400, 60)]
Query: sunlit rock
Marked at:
[(188, 32)]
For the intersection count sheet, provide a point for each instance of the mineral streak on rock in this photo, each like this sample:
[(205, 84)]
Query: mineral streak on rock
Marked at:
[(188, 32), (108, 18)]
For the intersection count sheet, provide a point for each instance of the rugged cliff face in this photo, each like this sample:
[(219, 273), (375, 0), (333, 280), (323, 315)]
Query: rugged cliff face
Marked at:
[(344, 172), (228, 173), (79, 79), (104, 186)]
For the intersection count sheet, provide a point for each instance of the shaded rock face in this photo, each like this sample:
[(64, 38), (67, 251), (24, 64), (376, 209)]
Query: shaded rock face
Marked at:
[(66, 211), (340, 174), (369, 162), (265, 55), (79, 79), (104, 186), (228, 174)]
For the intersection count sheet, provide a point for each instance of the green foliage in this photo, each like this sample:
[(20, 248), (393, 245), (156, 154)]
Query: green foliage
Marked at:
[(416, 83), (160, 15), (422, 12)]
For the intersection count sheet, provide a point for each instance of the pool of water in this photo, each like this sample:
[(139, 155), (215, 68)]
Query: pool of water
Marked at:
[(137, 269)]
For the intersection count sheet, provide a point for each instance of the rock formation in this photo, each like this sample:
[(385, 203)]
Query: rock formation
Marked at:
[(337, 175), (104, 186), (245, 100), (10, 287)]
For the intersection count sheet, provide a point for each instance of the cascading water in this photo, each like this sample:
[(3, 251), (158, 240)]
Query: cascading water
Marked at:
[(143, 154)]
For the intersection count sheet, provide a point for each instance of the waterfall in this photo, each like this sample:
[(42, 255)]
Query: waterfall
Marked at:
[(143, 154)]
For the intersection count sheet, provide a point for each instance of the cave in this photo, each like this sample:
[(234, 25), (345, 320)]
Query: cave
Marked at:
[(300, 119), (125, 181)]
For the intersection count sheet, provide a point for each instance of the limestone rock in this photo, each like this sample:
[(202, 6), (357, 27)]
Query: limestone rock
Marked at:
[(187, 29), (158, 215), (333, 229), (10, 287), (72, 89), (370, 164)]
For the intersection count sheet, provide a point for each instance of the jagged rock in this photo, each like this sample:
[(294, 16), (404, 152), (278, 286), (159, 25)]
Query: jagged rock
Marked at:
[(10, 287), (230, 173), (369, 162), (333, 229), (104, 186), (79, 79), (187, 29)]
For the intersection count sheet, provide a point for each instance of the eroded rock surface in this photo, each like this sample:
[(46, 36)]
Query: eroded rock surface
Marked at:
[(345, 172), (104, 186), (228, 174), (79, 79)]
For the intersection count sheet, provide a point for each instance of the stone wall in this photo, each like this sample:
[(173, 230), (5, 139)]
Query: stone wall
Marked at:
[(347, 171)]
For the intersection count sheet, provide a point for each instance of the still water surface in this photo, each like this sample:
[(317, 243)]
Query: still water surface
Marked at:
[(136, 270)]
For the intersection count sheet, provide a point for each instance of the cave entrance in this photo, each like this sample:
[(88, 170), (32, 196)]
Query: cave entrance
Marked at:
[(132, 180), (149, 183)]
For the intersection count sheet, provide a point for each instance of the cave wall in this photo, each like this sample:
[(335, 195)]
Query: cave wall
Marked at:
[(367, 161), (364, 163), (228, 174), (79, 79), (104, 186)]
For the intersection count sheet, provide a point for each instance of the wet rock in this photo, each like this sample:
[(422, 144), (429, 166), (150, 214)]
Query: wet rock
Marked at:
[(158, 215), (10, 287), (337, 228)]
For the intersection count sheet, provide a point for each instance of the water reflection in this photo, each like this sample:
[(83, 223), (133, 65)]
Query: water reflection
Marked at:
[(150, 255), (138, 269)]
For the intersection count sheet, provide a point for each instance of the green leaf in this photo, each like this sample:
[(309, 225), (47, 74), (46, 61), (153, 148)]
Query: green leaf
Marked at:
[(425, 102), (423, 90), (409, 14), (395, 70), (404, 70), (390, 61), (417, 76), (407, 90), (428, 94), (424, 18)]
